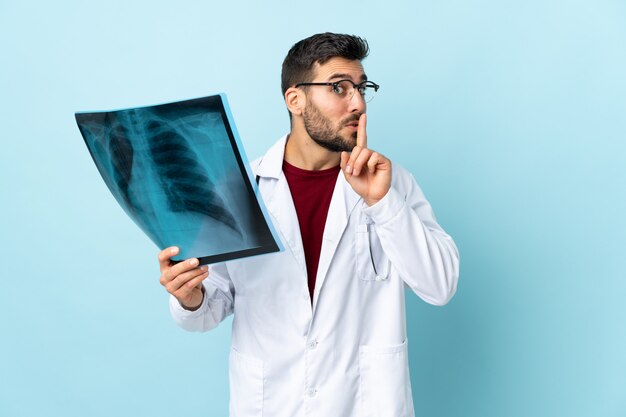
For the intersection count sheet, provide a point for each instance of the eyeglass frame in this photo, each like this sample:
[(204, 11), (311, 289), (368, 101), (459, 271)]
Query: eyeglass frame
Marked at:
[(355, 86)]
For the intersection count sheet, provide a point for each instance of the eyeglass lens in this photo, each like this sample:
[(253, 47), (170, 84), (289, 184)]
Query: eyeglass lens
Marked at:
[(346, 89)]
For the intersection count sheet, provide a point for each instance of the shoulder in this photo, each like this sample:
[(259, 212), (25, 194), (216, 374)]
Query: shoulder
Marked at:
[(255, 164), (270, 164)]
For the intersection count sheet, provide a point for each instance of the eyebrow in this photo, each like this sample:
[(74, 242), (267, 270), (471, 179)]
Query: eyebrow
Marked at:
[(344, 76)]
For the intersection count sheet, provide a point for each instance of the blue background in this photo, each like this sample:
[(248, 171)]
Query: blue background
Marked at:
[(511, 115)]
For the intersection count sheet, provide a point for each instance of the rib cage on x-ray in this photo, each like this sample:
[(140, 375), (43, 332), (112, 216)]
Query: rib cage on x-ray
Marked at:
[(111, 138), (122, 155), (186, 184), (162, 162)]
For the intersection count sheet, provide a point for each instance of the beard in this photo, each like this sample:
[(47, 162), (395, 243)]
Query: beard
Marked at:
[(322, 131)]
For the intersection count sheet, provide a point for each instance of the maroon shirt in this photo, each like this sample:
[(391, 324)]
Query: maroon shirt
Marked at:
[(311, 192)]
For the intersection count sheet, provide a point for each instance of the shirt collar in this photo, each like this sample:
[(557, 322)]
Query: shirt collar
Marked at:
[(272, 163)]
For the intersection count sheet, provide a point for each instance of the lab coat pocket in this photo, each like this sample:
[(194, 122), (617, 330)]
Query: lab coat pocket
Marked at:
[(385, 385), (371, 264), (246, 385)]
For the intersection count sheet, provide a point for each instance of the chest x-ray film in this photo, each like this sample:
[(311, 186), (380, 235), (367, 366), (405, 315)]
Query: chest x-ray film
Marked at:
[(180, 172)]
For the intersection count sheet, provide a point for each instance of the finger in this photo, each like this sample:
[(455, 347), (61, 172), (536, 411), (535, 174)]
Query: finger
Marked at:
[(362, 159), (345, 156), (182, 279), (175, 270), (165, 257), (356, 151), (361, 134), (187, 280), (186, 290), (197, 281), (373, 161)]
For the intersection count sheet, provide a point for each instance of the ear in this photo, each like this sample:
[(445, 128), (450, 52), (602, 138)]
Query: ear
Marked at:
[(295, 101)]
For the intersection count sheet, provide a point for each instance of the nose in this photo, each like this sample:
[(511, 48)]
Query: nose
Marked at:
[(357, 103)]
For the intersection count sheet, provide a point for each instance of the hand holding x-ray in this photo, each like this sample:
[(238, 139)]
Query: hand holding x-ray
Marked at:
[(182, 279)]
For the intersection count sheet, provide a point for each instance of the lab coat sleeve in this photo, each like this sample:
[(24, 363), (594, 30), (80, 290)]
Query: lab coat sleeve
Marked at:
[(217, 304), (424, 256)]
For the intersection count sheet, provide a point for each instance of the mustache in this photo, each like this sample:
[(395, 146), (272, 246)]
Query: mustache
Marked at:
[(352, 118)]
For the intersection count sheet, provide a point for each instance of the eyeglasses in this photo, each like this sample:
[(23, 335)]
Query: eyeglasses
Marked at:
[(344, 89)]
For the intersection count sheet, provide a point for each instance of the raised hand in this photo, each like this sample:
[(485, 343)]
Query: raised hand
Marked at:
[(367, 172)]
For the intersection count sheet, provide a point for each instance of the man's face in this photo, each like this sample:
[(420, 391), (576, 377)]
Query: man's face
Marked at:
[(330, 120)]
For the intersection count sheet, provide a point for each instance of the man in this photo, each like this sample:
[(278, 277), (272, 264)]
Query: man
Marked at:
[(319, 329)]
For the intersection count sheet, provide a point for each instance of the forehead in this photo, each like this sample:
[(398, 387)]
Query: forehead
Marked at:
[(338, 67)]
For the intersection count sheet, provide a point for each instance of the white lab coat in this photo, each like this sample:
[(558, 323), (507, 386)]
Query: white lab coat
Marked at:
[(345, 355)]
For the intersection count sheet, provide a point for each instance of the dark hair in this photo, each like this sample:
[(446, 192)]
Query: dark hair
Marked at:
[(299, 62)]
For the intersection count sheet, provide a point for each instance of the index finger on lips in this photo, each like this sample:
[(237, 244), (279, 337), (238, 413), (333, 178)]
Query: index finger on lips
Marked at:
[(361, 133)]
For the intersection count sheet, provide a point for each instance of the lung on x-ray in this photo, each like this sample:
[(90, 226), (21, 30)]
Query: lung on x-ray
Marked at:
[(180, 173)]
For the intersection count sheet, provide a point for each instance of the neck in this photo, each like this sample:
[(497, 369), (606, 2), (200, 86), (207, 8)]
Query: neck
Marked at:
[(301, 151)]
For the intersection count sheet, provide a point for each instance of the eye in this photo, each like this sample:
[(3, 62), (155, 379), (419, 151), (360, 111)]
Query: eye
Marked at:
[(362, 89), (338, 88)]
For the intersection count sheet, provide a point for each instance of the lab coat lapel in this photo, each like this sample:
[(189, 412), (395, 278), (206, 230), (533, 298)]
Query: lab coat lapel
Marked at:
[(280, 205), (342, 204), (277, 197)]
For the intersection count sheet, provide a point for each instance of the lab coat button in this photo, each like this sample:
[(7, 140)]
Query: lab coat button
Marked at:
[(311, 392), (379, 278), (313, 344)]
